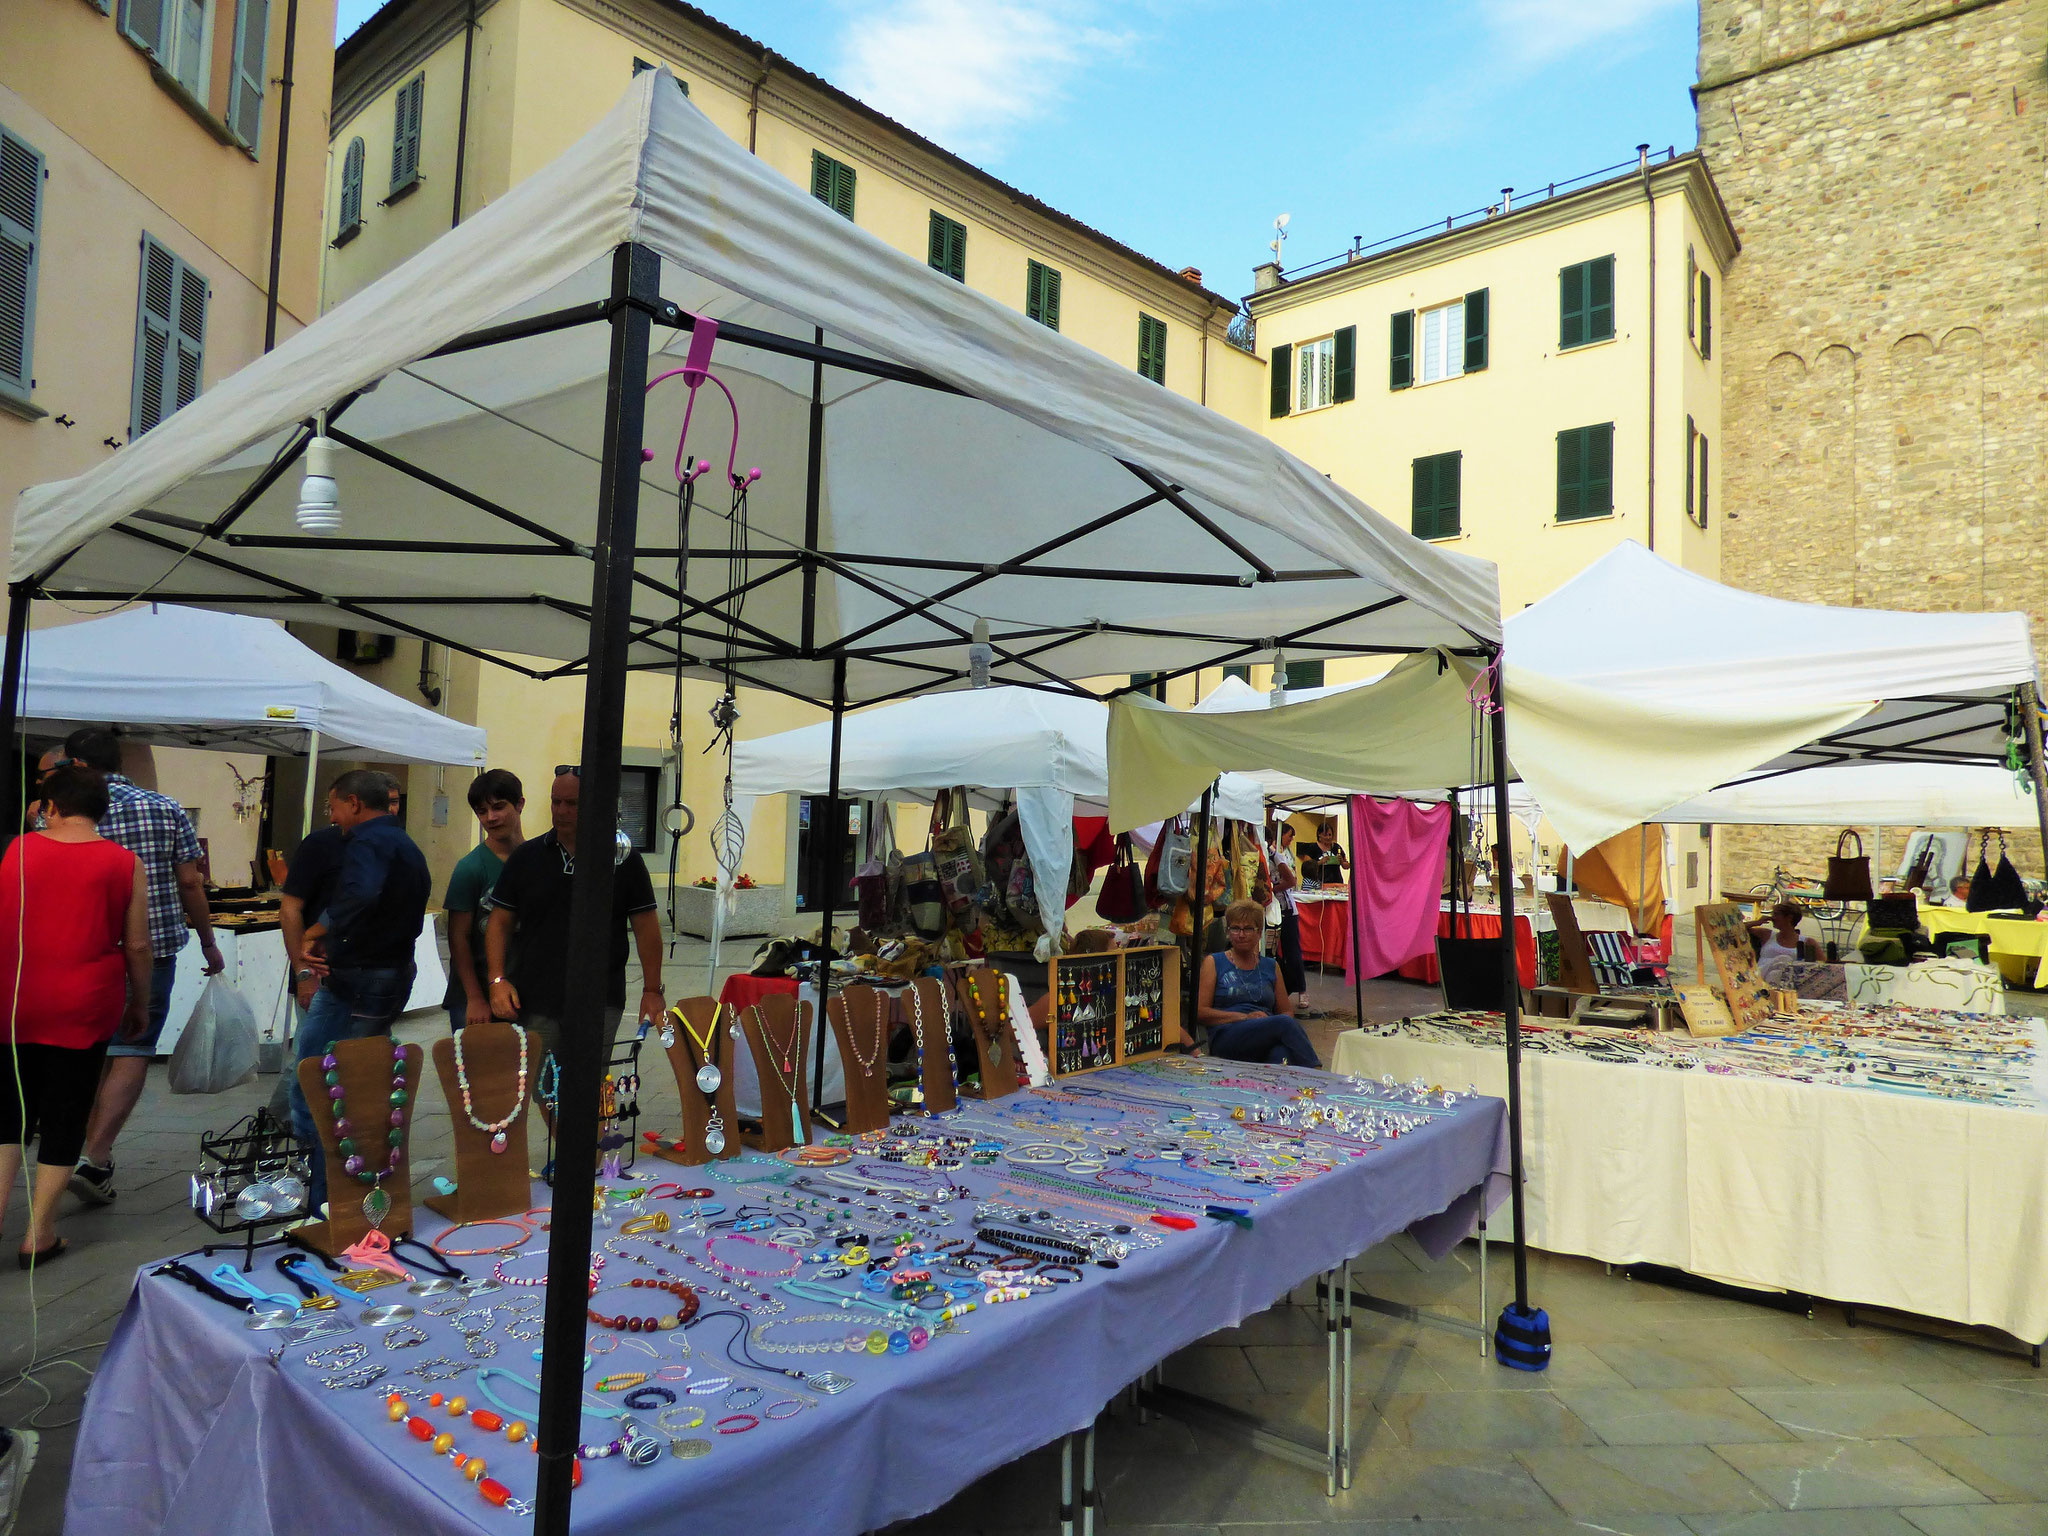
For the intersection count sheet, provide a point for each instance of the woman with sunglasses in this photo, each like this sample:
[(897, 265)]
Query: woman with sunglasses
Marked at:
[(1244, 1003)]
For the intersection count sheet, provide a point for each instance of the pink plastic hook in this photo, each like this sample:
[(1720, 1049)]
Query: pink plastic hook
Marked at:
[(695, 370)]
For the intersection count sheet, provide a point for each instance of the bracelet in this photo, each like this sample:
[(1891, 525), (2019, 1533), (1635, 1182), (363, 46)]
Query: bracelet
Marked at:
[(742, 1422), (521, 1228), (677, 1429), (794, 1406), (648, 1398)]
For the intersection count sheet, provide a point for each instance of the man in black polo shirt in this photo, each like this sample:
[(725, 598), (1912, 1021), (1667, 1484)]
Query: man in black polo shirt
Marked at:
[(529, 926)]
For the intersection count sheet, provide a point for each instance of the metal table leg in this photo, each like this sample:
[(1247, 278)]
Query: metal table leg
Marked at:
[(1067, 1485), (1088, 1483), (1344, 1441)]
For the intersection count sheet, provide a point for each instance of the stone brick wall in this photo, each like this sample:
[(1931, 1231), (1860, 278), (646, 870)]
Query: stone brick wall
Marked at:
[(1885, 329), (1749, 854)]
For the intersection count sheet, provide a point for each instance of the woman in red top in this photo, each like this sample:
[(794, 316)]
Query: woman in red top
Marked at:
[(74, 967)]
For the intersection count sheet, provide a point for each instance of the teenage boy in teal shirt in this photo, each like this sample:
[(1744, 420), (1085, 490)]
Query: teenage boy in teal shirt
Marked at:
[(498, 800)]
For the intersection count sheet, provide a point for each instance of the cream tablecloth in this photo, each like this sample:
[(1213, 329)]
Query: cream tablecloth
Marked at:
[(1890, 1200)]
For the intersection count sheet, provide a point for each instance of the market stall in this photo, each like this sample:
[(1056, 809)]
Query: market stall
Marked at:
[(1892, 1157), (464, 403)]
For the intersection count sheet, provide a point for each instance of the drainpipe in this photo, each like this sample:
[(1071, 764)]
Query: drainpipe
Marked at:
[(284, 146), (1650, 436), (754, 98), (1206, 323), (462, 122)]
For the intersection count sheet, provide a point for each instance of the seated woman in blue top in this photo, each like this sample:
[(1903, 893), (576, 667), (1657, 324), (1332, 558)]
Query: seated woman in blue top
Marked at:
[(1242, 1000)]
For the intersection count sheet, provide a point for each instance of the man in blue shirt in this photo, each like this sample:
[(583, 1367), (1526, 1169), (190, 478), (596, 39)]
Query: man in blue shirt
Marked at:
[(363, 943)]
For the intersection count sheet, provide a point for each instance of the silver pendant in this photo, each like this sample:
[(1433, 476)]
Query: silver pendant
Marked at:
[(709, 1078), (668, 1036), (714, 1141)]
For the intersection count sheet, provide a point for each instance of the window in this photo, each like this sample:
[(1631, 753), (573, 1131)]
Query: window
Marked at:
[(1702, 477), (1692, 448), (1437, 496), (1305, 674), (1151, 684), (1042, 294), (176, 33), (1152, 348), (1309, 375), (1706, 315), (21, 202), (640, 805), (1586, 303), (832, 184), (641, 66), (1443, 342), (251, 81), (1585, 472), (170, 338), (405, 136), (348, 219), (947, 247), (1439, 343), (1242, 674)]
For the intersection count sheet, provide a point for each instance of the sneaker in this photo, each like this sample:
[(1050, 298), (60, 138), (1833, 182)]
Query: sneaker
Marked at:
[(17, 1459), (91, 1182)]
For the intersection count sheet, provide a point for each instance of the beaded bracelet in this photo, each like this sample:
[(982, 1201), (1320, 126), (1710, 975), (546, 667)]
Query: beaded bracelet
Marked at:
[(645, 1399), (740, 1422)]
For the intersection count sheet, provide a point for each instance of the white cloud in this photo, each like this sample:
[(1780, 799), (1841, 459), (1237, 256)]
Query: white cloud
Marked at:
[(969, 73), (1537, 32)]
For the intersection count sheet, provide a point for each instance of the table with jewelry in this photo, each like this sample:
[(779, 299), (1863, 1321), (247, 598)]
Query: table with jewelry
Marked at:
[(827, 1340), (1886, 1157)]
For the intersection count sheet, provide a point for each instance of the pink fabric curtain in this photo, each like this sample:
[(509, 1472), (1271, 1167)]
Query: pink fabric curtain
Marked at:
[(1397, 878)]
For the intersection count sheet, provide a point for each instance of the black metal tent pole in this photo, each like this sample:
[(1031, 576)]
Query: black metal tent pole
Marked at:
[(1511, 996), (18, 595), (636, 272), (1198, 910), (834, 830)]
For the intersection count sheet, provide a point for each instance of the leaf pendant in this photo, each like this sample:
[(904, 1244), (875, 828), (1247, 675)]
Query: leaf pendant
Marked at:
[(498, 1142), (376, 1206)]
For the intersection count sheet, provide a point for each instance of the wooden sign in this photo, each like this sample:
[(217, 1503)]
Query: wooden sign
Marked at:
[(1112, 1008), (1706, 1012), (1719, 930)]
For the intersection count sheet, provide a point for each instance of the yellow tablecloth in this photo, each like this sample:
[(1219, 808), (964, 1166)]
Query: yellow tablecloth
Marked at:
[(1889, 1200), (2016, 944)]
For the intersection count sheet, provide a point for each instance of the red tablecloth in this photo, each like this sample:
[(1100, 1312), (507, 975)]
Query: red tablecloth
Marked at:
[(1325, 932), (745, 991), (1480, 925)]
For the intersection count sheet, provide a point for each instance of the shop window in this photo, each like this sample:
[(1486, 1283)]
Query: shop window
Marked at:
[(1586, 303), (408, 113), (832, 183), (1585, 472), (1437, 492), (1042, 294), (170, 338), (1152, 348), (946, 248), (21, 203)]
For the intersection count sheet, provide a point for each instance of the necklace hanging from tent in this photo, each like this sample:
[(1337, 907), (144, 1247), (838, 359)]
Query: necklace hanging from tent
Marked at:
[(377, 1203), (497, 1130)]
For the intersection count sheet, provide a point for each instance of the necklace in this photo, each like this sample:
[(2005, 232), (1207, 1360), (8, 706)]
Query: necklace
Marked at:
[(497, 1129), (917, 1033), (993, 1021), (377, 1203), (866, 1060), (783, 1058)]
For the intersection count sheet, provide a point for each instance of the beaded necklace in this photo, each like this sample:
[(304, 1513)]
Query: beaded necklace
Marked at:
[(866, 1061), (377, 1203), (496, 1130), (995, 1021)]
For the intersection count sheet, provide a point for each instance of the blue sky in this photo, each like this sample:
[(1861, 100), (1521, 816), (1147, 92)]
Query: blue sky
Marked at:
[(1182, 127)]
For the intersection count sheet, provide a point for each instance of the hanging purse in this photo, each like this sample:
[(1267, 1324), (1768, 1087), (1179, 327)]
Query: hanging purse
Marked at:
[(1122, 899), (1848, 873), (2008, 890), (871, 880), (924, 898), (1981, 898), (1175, 855), (959, 864)]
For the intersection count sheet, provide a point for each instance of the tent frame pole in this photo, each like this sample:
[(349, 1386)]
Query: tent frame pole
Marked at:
[(312, 779), (2037, 769), (11, 687), (1198, 912), (834, 830), (636, 272), (1511, 981)]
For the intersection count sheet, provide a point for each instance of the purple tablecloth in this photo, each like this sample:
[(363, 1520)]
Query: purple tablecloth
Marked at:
[(191, 1427)]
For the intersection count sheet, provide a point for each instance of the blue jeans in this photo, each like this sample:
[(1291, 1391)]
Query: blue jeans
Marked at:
[(163, 975), (348, 1006), (1273, 1037)]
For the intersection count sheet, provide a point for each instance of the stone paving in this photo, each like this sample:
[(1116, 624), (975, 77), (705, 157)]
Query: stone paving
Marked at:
[(1664, 1413)]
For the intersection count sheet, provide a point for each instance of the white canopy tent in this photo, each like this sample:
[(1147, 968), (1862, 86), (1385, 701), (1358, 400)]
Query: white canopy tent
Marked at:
[(932, 459), (184, 677), (1637, 686), (1868, 794), (1050, 748)]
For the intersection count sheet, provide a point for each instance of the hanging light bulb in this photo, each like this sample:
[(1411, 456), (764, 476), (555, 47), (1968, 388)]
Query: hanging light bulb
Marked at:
[(980, 655), (319, 497), (1278, 695)]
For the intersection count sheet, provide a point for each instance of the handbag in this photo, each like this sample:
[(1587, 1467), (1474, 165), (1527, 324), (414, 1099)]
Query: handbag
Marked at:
[(1848, 874), (958, 862), (1122, 899), (924, 898), (1001, 847), (1980, 897), (871, 881), (1175, 854), (1898, 913)]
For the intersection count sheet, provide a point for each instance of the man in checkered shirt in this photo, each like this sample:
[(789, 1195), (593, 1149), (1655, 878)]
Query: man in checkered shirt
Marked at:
[(157, 831)]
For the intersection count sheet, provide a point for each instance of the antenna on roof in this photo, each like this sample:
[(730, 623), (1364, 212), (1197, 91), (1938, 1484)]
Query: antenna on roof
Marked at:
[(1279, 236)]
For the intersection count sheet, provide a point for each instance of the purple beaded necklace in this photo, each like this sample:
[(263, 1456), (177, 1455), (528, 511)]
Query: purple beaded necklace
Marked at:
[(377, 1203)]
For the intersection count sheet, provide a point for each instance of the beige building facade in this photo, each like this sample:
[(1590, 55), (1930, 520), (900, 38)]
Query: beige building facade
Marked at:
[(1887, 361)]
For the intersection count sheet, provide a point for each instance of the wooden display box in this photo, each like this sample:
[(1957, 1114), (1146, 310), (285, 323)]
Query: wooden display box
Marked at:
[(1112, 1008)]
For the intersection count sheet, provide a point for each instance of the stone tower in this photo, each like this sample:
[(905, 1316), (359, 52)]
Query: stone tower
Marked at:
[(1885, 363)]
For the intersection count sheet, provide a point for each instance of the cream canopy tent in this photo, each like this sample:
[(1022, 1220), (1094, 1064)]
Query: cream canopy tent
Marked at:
[(931, 458), (1868, 794)]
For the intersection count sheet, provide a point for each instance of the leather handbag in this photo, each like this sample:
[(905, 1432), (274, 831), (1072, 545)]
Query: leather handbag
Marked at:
[(924, 898), (2008, 890), (1176, 854), (872, 881), (959, 862), (1122, 898), (1848, 873), (1981, 898)]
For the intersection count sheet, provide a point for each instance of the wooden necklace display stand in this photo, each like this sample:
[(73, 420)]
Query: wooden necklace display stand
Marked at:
[(365, 1068), (860, 1017), (785, 1091), (488, 1184), (700, 1022), (994, 1039), (932, 1046)]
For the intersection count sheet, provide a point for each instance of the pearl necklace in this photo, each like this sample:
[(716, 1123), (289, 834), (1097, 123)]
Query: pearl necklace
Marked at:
[(497, 1129)]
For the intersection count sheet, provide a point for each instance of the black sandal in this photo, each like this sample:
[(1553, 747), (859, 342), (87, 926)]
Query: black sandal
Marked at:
[(42, 1256)]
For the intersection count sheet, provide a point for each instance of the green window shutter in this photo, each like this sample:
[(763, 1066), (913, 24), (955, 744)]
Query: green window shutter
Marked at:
[(1600, 299), (1281, 372), (1692, 277), (251, 80), (1692, 439), (1042, 294), (1706, 315), (21, 203), (188, 373), (349, 218), (1344, 365), (1401, 350), (1703, 479), (1152, 348), (1435, 508), (1305, 674), (1585, 472), (1422, 500), (832, 183), (1449, 493), (946, 247), (142, 23), (1571, 306), (408, 114), (1242, 674), (154, 349), (1475, 330)]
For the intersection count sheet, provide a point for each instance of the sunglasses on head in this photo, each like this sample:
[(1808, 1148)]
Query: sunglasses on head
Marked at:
[(570, 769)]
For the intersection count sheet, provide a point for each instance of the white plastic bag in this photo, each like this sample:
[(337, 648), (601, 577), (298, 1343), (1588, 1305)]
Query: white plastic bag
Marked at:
[(218, 1049)]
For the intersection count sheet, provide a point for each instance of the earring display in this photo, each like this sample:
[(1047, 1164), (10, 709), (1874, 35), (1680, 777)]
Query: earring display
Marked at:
[(1113, 1008)]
